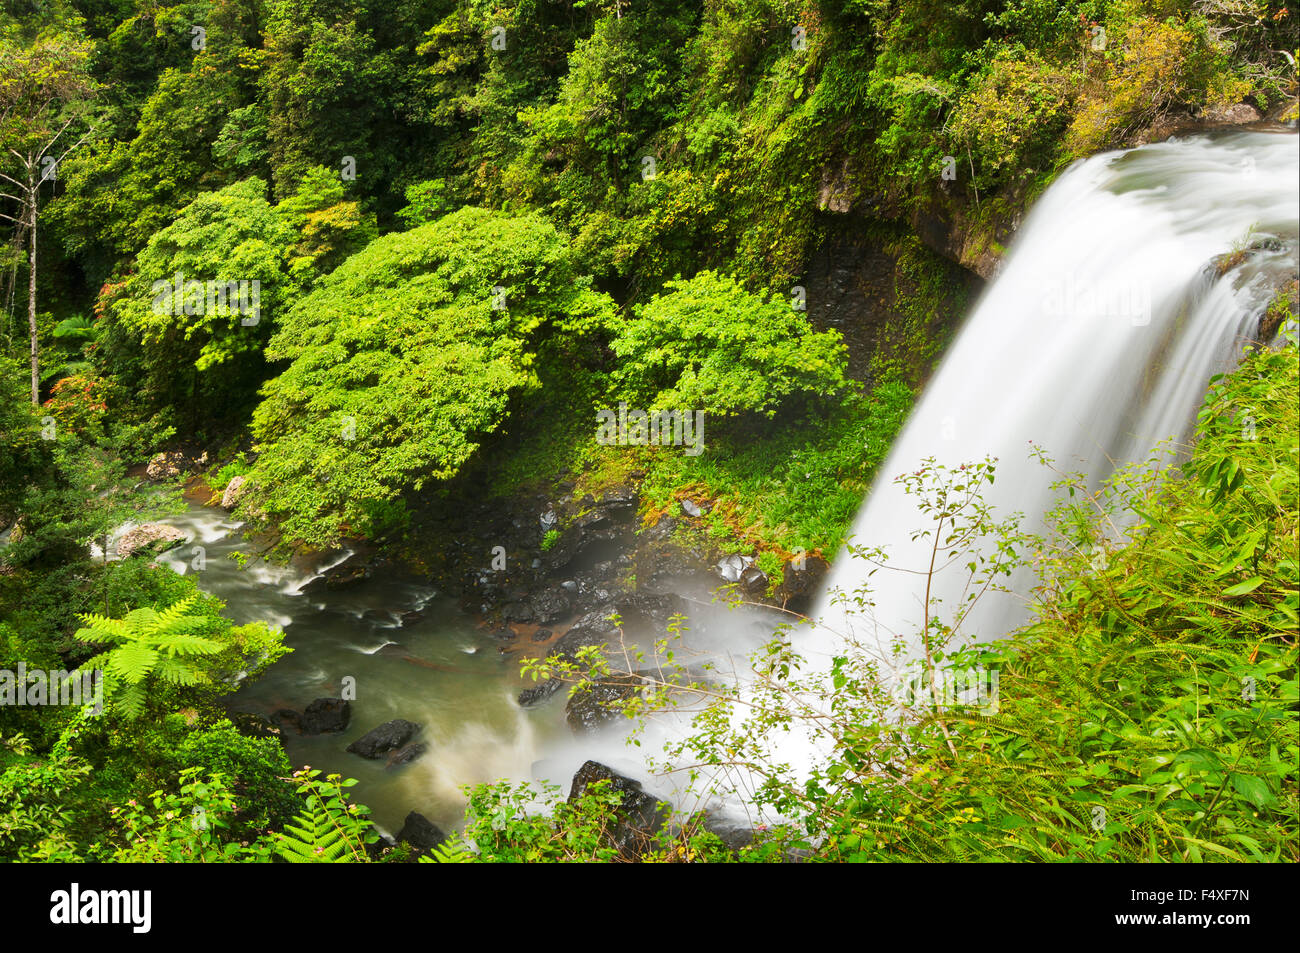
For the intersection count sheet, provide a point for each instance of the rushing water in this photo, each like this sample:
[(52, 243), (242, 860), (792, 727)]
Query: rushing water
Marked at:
[(1095, 343)]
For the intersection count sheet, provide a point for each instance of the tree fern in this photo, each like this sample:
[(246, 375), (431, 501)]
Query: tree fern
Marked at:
[(147, 643)]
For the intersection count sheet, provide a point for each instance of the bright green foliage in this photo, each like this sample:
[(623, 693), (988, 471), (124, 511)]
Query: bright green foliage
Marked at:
[(330, 828), (1148, 714), (189, 827), (230, 235), (256, 769), (403, 360), (707, 344), (185, 645), (147, 643)]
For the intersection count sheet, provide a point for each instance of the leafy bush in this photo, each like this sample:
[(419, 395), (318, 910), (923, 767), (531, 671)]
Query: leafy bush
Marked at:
[(707, 344)]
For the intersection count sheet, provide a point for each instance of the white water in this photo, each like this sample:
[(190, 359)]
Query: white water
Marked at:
[(1095, 342)]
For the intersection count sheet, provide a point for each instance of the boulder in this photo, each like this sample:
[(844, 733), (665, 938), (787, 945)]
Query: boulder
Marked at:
[(406, 754), (550, 606), (597, 705), (421, 833), (149, 539), (389, 736), (252, 725), (539, 693), (172, 464), (326, 715), (640, 815), (732, 567), (234, 490)]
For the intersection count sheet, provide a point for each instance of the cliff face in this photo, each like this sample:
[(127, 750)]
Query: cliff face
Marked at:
[(896, 282)]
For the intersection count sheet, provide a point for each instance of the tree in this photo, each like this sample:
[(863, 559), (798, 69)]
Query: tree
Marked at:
[(403, 360), (44, 88), (707, 344)]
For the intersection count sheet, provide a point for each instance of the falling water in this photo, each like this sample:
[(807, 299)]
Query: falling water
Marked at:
[(1095, 343)]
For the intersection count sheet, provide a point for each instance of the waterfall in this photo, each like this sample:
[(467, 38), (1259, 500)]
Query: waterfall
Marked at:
[(1095, 342), (1134, 279)]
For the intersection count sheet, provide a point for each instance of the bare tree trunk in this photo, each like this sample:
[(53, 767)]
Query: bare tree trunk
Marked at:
[(31, 298)]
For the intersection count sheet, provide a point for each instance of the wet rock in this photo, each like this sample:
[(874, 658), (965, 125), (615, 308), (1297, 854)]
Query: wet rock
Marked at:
[(517, 612), (380, 847), (594, 628), (233, 491), (661, 530), (597, 705), (733, 834), (640, 815), (253, 725), (803, 582), (347, 574), (696, 510), (541, 635), (551, 606), (651, 609), (149, 539), (287, 721), (421, 833), (539, 693), (387, 737), (732, 567), (326, 716), (754, 581), (406, 754)]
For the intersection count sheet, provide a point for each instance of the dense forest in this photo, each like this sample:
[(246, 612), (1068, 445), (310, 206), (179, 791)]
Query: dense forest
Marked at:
[(371, 276)]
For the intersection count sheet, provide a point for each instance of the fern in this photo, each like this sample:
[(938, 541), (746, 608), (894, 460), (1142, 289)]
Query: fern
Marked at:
[(329, 829), (147, 643)]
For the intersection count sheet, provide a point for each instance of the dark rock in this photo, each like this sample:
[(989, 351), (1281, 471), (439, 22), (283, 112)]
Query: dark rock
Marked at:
[(326, 715), (597, 705), (517, 612), (421, 833), (287, 720), (801, 586), (651, 609), (734, 835), (661, 530), (619, 499), (754, 581), (539, 693), (541, 635), (387, 737), (641, 815), (252, 725), (406, 754), (380, 847), (551, 606), (594, 628)]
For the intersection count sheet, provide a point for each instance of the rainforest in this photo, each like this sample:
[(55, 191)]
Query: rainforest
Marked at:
[(691, 431)]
